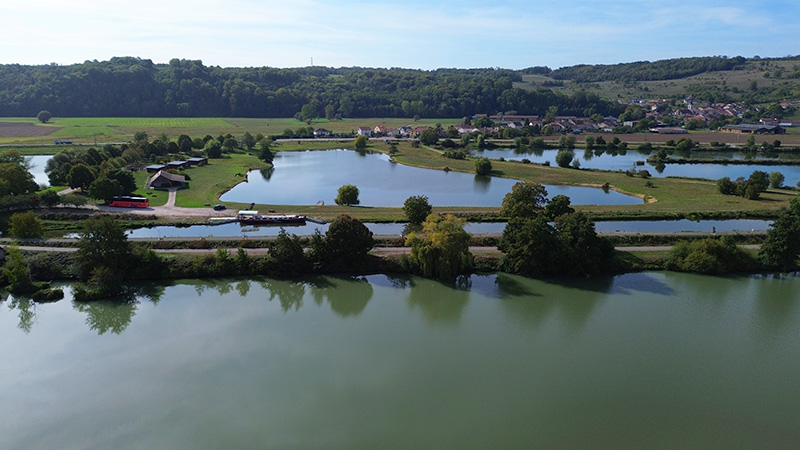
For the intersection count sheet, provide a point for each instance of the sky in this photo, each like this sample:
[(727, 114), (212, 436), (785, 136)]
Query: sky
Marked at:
[(413, 34)]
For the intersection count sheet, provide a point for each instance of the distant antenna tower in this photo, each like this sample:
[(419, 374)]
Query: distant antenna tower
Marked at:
[(312, 61)]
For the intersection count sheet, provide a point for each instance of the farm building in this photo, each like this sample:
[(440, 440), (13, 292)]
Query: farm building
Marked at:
[(752, 129), (177, 164), (155, 168), (164, 179), (197, 161)]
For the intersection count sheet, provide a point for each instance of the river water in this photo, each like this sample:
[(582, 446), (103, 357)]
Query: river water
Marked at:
[(647, 360), (394, 229)]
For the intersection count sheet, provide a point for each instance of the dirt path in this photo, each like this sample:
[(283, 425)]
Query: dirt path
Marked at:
[(173, 194)]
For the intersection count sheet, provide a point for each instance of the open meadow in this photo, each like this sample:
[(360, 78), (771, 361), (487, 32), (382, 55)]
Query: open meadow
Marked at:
[(97, 130)]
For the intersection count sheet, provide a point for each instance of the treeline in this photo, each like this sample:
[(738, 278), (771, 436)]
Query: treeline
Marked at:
[(668, 69), (134, 87)]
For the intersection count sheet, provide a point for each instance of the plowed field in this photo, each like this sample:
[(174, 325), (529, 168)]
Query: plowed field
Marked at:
[(10, 129)]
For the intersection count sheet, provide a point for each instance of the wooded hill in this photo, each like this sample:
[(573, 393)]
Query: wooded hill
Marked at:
[(133, 87), (668, 69)]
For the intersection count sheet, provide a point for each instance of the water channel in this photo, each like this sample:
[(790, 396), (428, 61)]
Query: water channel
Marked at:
[(627, 161), (394, 229), (647, 360), (309, 177)]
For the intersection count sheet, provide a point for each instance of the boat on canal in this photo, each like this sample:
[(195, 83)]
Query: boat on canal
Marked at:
[(250, 217)]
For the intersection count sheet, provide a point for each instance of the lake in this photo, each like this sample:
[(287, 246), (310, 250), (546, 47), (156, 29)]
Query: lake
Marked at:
[(647, 360), (393, 229), (627, 161), (308, 177)]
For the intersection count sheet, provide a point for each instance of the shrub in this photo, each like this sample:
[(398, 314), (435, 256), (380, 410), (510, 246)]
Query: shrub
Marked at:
[(776, 180), (564, 157), (709, 256), (483, 166)]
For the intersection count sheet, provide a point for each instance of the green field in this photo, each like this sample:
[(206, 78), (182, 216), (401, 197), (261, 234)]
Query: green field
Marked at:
[(91, 130)]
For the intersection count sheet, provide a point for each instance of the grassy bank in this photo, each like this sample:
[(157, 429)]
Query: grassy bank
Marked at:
[(663, 195)]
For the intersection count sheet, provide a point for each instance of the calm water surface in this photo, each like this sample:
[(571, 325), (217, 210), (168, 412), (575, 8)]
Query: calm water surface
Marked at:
[(627, 160), (303, 178), (389, 229), (649, 360), (38, 163)]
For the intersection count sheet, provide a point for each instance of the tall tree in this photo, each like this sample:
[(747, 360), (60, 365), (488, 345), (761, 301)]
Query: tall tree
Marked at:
[(441, 250), (16, 272), (248, 140), (346, 243), (105, 189), (16, 180), (417, 208), (429, 136), (25, 225), (44, 116), (347, 195), (308, 112), (582, 250), (80, 176), (360, 142), (781, 247), (526, 199), (530, 247), (103, 244)]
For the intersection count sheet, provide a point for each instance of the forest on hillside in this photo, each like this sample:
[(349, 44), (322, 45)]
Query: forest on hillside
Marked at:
[(135, 87), (668, 69)]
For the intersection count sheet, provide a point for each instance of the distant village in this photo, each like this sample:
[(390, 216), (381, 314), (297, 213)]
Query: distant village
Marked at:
[(656, 116)]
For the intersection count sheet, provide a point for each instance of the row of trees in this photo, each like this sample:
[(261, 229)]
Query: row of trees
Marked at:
[(752, 187), (106, 261), (124, 87)]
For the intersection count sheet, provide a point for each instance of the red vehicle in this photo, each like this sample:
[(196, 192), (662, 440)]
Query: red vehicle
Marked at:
[(124, 201)]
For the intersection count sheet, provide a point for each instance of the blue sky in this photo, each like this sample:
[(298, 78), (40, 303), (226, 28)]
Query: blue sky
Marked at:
[(411, 34)]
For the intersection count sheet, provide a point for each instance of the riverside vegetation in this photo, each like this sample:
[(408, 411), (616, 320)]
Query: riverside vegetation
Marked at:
[(542, 239)]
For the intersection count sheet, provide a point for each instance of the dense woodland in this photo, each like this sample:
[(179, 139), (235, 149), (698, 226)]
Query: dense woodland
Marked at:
[(134, 87)]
